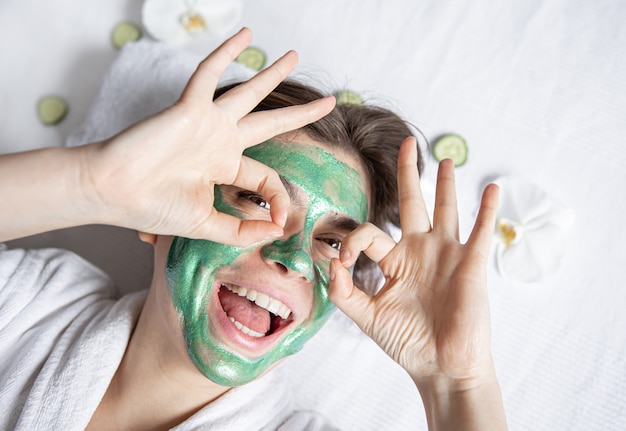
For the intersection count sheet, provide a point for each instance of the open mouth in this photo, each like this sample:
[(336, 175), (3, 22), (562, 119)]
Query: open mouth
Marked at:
[(253, 313)]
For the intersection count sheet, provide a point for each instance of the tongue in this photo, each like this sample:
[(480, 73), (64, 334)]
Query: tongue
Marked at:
[(245, 311)]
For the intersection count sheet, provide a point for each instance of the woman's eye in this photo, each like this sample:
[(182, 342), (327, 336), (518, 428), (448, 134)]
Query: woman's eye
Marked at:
[(255, 198), (332, 242)]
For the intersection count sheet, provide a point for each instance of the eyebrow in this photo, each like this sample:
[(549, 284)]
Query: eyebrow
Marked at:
[(343, 222), (338, 221)]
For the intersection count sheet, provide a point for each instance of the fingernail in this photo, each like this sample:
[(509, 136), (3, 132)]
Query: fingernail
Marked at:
[(282, 219), (279, 217), (274, 234), (332, 270), (344, 256)]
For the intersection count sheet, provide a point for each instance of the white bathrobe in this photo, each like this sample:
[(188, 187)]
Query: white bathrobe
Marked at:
[(62, 336)]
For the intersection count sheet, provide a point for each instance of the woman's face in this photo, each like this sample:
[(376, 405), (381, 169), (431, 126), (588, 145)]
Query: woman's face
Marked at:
[(243, 309)]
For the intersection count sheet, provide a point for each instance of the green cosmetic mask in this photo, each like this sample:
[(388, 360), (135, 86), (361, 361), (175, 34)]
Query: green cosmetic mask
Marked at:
[(332, 187)]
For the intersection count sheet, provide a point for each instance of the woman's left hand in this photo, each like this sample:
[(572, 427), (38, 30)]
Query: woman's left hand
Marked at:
[(432, 314)]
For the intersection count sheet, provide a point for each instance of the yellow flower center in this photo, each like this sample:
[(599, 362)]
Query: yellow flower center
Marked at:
[(510, 232), (193, 22)]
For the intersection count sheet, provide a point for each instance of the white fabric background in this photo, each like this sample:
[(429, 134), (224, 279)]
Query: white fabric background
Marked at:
[(536, 87)]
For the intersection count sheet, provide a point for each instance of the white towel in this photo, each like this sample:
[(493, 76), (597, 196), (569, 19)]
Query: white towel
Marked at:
[(47, 299)]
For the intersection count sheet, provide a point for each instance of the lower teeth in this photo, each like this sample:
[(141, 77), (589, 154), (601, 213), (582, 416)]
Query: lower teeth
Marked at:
[(245, 329)]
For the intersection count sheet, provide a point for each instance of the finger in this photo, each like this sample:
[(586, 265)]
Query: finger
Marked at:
[(367, 238), (445, 216), (355, 303), (255, 176), (246, 96), (413, 212), (260, 126), (204, 80), (227, 229), (482, 232)]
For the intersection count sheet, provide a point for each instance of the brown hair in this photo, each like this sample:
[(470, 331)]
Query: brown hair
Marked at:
[(371, 133)]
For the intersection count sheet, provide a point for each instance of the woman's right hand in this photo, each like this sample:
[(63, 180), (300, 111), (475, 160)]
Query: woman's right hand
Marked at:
[(158, 176)]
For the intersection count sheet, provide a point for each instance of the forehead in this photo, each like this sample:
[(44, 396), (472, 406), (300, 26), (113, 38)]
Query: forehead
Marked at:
[(330, 183)]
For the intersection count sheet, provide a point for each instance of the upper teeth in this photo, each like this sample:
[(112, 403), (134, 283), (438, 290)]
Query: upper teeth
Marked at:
[(262, 300)]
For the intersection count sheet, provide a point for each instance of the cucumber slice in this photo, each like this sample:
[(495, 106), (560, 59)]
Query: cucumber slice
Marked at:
[(125, 32), (451, 146), (252, 57), (348, 97), (51, 109)]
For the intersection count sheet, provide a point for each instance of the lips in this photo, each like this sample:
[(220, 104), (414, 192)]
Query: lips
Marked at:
[(252, 313)]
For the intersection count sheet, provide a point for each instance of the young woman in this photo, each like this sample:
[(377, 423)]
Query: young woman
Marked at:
[(259, 199)]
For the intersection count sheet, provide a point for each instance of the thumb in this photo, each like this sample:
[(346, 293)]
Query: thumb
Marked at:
[(355, 303), (231, 230)]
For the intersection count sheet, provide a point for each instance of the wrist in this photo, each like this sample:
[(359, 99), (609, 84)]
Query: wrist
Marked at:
[(94, 197), (463, 404), (87, 202)]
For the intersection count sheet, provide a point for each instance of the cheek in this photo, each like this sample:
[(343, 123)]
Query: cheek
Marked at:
[(322, 305), (190, 272)]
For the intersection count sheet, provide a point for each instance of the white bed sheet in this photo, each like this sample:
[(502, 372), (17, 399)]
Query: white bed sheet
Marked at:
[(536, 87)]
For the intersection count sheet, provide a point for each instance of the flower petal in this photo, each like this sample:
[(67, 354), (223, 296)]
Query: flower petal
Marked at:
[(221, 15), (532, 231), (165, 20), (536, 257)]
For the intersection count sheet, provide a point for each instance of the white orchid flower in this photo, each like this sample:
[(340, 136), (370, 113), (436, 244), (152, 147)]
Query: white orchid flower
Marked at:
[(177, 21), (531, 231)]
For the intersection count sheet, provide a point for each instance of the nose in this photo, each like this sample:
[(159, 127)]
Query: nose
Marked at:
[(291, 255)]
